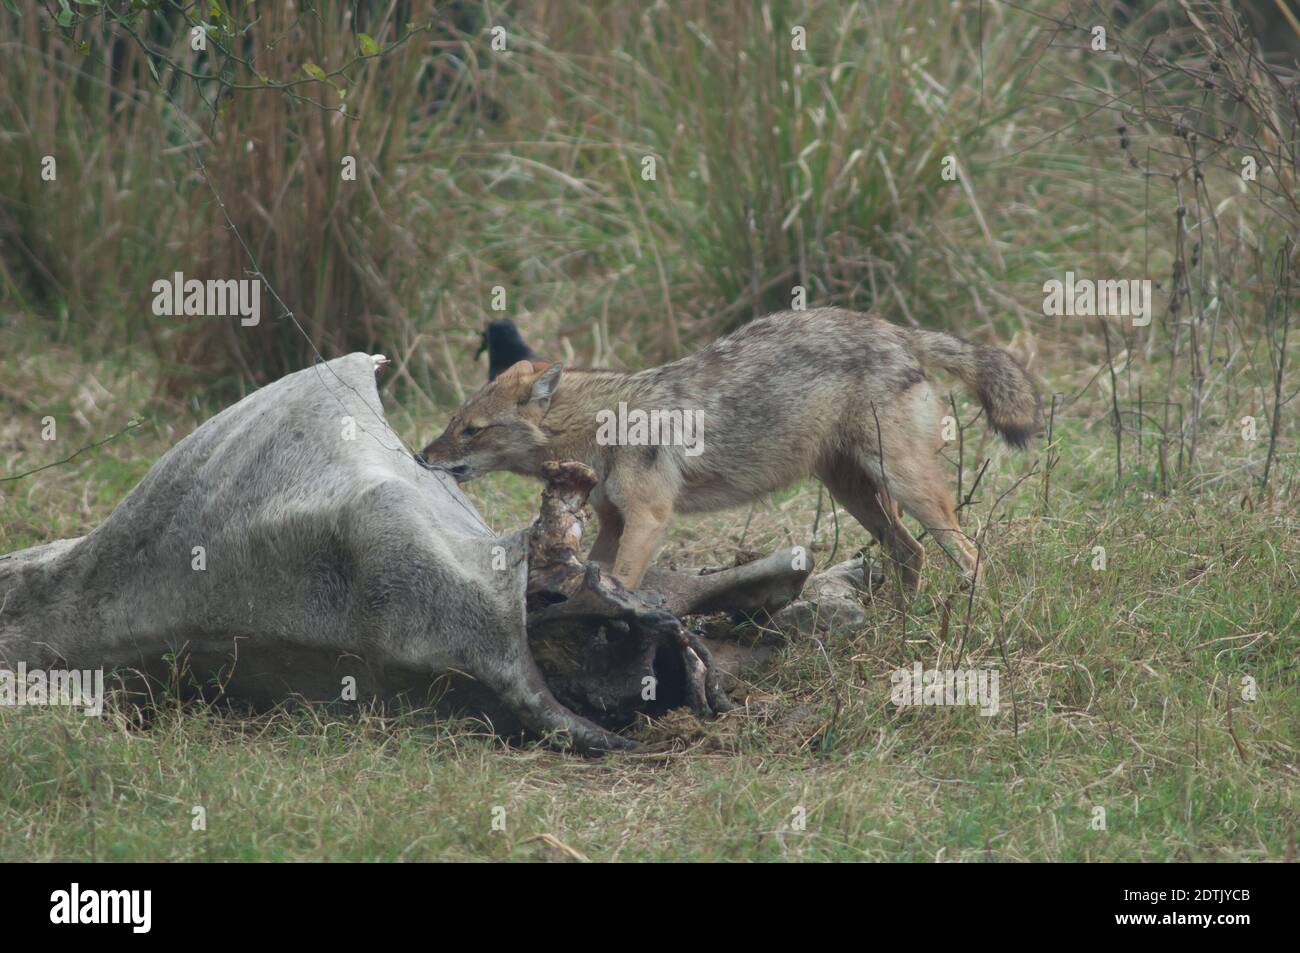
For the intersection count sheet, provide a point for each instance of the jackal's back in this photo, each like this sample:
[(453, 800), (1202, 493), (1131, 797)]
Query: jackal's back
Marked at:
[(782, 386)]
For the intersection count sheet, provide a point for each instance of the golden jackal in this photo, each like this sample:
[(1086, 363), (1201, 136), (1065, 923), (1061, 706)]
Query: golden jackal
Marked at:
[(828, 392)]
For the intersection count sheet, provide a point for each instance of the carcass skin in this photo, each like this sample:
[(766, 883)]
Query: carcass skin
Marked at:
[(326, 551)]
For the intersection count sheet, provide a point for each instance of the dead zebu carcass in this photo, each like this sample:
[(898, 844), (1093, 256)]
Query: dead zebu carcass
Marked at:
[(293, 544)]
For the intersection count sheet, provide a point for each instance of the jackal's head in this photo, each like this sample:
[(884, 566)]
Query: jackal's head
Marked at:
[(499, 428)]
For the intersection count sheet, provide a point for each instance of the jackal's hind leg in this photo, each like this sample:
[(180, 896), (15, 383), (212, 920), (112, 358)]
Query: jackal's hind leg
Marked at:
[(879, 515), (931, 503)]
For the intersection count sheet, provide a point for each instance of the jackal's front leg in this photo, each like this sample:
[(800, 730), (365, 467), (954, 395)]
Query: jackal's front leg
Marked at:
[(611, 530), (643, 525)]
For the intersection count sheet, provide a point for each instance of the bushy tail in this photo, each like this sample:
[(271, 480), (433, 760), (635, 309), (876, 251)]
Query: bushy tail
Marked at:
[(1009, 397)]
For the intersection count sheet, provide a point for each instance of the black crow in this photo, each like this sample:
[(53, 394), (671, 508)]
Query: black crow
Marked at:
[(504, 347)]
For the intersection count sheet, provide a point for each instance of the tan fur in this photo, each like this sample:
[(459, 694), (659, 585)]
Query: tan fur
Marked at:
[(827, 392)]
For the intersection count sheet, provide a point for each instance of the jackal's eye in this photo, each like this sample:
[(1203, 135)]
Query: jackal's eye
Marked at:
[(470, 432)]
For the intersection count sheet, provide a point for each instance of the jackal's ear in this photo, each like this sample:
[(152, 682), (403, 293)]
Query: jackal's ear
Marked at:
[(544, 385), (518, 371)]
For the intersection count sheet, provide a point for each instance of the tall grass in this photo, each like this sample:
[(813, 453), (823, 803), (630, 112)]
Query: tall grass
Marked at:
[(73, 245), (774, 167), (171, 159), (505, 151)]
